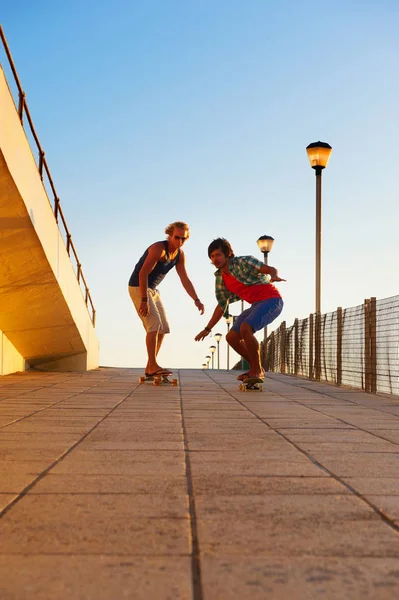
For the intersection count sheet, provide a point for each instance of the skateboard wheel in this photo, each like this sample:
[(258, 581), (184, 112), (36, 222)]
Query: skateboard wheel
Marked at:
[(157, 382), (174, 382), (141, 379)]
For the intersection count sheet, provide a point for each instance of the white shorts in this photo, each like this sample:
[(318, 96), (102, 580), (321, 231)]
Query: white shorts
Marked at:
[(156, 320)]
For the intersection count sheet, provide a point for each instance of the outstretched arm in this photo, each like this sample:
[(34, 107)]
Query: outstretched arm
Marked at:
[(272, 271), (186, 282), (217, 315)]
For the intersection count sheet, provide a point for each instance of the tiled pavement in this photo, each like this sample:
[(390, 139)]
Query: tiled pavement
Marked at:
[(110, 489)]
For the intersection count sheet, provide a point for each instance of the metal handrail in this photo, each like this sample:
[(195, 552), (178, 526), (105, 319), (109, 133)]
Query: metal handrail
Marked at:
[(43, 167)]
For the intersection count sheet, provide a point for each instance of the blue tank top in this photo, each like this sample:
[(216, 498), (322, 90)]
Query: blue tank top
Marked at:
[(159, 271)]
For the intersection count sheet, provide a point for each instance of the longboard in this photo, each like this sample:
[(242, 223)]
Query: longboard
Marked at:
[(251, 383), (158, 380)]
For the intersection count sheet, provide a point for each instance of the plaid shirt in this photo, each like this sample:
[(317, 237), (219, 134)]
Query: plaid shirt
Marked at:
[(244, 268)]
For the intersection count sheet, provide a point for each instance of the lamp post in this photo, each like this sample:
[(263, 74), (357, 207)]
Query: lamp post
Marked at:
[(218, 337), (212, 349), (229, 321), (319, 154), (207, 358), (265, 244), (204, 365)]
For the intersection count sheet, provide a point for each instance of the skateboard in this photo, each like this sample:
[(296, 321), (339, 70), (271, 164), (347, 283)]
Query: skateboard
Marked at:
[(158, 380), (251, 383)]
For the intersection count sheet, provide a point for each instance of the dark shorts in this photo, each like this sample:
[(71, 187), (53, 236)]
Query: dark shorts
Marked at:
[(259, 314)]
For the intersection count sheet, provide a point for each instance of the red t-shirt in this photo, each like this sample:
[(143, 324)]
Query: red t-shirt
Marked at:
[(250, 293)]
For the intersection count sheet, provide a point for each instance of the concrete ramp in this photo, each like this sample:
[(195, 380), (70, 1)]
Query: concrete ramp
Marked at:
[(44, 320)]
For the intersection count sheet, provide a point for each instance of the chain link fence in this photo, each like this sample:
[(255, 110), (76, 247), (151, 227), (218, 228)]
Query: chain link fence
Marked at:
[(356, 347)]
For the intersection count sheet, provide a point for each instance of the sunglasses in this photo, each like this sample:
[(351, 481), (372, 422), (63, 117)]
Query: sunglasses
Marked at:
[(179, 237)]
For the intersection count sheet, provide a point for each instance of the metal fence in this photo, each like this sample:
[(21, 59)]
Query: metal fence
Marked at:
[(356, 347), (45, 175)]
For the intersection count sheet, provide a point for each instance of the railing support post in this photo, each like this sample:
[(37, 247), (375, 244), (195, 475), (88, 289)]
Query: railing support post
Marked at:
[(318, 347), (21, 106), (367, 353), (41, 159), (339, 345), (282, 347), (296, 346), (373, 345), (311, 337), (273, 352)]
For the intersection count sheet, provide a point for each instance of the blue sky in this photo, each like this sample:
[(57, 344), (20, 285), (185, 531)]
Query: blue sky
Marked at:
[(151, 112)]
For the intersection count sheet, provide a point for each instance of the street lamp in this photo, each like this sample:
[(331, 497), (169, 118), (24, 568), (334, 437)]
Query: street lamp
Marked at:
[(218, 337), (212, 349), (265, 244), (204, 365), (319, 154), (207, 358), (229, 321)]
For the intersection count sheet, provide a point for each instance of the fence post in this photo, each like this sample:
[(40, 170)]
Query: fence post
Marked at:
[(271, 350), (339, 345), (311, 347), (41, 160), (373, 345), (317, 346), (296, 346), (367, 353), (21, 106), (282, 347)]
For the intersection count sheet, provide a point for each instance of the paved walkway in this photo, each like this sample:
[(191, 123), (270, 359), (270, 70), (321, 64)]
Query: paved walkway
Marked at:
[(110, 489)]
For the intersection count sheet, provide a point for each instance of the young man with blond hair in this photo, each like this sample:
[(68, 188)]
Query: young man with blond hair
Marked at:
[(153, 266)]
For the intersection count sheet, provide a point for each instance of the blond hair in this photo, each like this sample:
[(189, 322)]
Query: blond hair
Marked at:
[(177, 225)]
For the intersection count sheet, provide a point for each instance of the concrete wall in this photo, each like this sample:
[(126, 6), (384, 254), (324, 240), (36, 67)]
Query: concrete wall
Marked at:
[(43, 315), (10, 359)]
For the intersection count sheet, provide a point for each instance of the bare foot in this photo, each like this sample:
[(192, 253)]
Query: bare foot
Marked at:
[(256, 374), (243, 376), (157, 370)]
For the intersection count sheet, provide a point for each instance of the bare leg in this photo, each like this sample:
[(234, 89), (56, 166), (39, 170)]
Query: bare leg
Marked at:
[(159, 342), (252, 346), (153, 342), (234, 340)]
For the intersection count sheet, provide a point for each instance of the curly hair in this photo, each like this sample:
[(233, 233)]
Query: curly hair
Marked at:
[(220, 244), (177, 225)]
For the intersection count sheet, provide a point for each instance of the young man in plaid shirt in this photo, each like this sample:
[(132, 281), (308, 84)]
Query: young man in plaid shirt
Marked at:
[(243, 278)]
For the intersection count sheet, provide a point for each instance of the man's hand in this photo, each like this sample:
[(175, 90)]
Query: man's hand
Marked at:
[(277, 278), (144, 310), (201, 335), (200, 306)]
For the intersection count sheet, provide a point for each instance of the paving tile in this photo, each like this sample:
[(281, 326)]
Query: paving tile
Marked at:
[(5, 500), (156, 483), (310, 578), (297, 537), (239, 485), (374, 485), (98, 577), (87, 524)]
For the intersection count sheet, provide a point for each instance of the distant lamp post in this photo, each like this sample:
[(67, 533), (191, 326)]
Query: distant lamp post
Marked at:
[(229, 321), (212, 349), (319, 154), (204, 365), (218, 337), (265, 244), (208, 359)]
